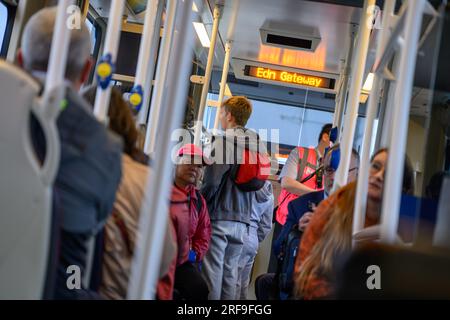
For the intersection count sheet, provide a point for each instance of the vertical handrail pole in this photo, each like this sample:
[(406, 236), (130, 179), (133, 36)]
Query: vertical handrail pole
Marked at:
[(223, 82), (208, 71), (338, 100), (160, 78), (351, 115), (111, 47), (359, 213), (154, 213), (137, 94), (396, 156), (60, 48), (339, 111), (148, 82), (146, 42)]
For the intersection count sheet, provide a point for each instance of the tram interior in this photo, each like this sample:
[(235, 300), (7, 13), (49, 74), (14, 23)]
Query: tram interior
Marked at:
[(298, 111)]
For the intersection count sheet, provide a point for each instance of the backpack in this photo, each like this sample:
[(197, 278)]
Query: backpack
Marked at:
[(286, 262), (254, 169)]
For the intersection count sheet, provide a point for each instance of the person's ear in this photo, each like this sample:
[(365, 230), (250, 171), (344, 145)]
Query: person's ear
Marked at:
[(86, 70), (20, 58), (230, 118)]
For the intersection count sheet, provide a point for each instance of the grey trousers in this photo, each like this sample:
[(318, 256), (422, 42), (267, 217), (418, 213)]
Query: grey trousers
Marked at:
[(220, 265), (246, 260)]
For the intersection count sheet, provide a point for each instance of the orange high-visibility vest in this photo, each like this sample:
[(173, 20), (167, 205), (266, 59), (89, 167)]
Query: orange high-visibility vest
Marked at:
[(311, 164)]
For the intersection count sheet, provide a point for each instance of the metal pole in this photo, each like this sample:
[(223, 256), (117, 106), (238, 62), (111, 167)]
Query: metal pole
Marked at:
[(387, 118), (160, 79), (111, 46), (355, 91), (396, 158), (60, 48), (338, 99), (154, 213), (359, 214), (154, 47), (223, 82), (144, 50), (209, 66), (137, 96), (339, 112)]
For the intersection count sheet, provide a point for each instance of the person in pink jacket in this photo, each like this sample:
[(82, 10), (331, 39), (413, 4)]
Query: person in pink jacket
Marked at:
[(190, 217)]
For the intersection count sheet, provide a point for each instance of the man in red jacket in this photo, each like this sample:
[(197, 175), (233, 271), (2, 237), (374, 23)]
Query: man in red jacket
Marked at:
[(190, 218)]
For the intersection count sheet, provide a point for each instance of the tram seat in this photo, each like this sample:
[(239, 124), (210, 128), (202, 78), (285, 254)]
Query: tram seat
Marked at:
[(26, 188), (404, 274)]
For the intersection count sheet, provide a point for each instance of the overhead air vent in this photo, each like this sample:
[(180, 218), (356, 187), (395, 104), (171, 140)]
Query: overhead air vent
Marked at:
[(290, 36)]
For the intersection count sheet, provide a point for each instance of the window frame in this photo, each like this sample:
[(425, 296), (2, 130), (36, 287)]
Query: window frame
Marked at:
[(11, 15), (98, 30)]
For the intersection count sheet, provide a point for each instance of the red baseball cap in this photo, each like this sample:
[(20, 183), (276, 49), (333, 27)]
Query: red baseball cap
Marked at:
[(193, 151)]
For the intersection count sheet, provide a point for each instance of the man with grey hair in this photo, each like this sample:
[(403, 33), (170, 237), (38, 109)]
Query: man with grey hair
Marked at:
[(90, 165), (36, 43)]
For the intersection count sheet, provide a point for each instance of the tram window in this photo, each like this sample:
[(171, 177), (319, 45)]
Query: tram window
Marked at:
[(3, 22), (91, 29), (128, 53), (296, 126)]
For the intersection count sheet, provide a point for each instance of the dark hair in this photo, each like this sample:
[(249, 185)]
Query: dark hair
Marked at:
[(408, 179), (325, 130), (121, 120)]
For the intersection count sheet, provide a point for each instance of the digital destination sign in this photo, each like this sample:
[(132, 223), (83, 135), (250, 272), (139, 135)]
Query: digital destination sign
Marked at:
[(289, 77)]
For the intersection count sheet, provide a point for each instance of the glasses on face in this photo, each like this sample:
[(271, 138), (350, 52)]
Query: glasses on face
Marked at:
[(330, 170)]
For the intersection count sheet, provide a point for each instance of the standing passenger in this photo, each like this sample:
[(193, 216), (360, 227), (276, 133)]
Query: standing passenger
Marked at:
[(229, 207), (260, 226), (274, 286), (300, 163), (190, 218)]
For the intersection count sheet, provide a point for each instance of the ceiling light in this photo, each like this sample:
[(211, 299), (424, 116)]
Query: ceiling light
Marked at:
[(202, 34), (369, 83)]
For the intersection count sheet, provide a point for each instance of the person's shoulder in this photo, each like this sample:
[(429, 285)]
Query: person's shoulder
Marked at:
[(78, 103), (134, 166), (294, 152)]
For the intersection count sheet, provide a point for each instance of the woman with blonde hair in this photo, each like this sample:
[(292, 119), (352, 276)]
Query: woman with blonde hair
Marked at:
[(328, 236)]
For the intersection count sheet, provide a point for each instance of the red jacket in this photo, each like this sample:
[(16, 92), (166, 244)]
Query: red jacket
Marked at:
[(193, 229)]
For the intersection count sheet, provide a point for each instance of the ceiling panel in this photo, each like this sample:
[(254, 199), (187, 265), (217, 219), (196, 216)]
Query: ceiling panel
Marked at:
[(333, 22)]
